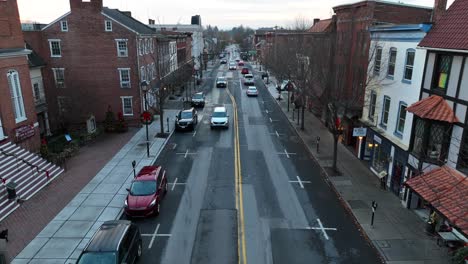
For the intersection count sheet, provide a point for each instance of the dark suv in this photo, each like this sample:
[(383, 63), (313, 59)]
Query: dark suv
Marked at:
[(186, 119), (117, 241)]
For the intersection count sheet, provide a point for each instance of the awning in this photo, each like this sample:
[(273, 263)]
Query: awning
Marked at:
[(433, 107), (446, 189)]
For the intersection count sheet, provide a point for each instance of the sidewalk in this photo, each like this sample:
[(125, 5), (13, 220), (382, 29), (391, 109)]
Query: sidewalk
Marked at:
[(97, 179), (398, 233)]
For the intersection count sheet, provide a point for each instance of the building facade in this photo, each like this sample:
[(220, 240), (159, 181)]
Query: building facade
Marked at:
[(395, 76), (18, 122)]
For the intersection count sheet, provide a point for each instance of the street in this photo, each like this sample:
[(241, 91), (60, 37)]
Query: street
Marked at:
[(289, 212)]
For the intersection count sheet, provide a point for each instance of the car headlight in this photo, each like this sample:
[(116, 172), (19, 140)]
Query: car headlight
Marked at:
[(126, 203), (152, 203)]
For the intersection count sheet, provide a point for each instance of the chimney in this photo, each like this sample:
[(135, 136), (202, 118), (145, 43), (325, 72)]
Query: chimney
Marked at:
[(316, 20), (95, 5), (439, 10), (151, 21), (127, 13)]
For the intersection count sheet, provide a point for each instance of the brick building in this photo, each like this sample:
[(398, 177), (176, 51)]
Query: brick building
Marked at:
[(18, 122)]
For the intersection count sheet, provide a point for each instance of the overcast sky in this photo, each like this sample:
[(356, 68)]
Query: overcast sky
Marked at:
[(223, 13)]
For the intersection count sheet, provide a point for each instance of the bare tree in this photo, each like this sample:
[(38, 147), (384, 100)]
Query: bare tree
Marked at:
[(300, 23)]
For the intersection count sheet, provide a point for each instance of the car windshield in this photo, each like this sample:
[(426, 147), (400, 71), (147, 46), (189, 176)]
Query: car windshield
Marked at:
[(97, 258), (220, 78), (252, 88), (185, 115), (248, 76), (143, 188), (197, 96), (219, 114)]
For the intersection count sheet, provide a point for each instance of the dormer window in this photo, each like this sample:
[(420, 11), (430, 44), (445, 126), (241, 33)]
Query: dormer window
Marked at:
[(64, 25)]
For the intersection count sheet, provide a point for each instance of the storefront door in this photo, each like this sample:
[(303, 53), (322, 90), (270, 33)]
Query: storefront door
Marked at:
[(397, 177)]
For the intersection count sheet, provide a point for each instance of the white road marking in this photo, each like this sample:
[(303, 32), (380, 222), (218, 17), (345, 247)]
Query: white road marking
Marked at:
[(301, 183), (154, 236), (185, 156), (175, 183), (266, 111), (271, 121), (194, 133), (323, 229), (186, 153), (286, 153), (277, 133), (175, 146)]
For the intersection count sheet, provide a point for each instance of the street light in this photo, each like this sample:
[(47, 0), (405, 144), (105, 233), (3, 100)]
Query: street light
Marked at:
[(144, 88)]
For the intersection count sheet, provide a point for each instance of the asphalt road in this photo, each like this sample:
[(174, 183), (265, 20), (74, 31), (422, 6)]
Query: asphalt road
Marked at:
[(285, 211)]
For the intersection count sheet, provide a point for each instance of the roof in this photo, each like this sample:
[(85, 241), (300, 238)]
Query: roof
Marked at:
[(450, 31), (108, 237), (34, 60), (128, 21), (381, 2), (321, 26), (149, 173), (446, 189), (433, 107)]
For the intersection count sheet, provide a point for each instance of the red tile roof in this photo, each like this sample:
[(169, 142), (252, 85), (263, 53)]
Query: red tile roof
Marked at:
[(446, 189), (433, 107), (321, 26), (450, 32)]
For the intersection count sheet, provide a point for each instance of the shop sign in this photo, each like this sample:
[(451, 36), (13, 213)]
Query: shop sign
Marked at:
[(24, 132), (359, 132), (377, 139)]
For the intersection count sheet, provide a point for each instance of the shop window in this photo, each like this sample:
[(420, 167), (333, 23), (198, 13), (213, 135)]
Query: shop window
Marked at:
[(379, 158), (442, 72), (431, 140)]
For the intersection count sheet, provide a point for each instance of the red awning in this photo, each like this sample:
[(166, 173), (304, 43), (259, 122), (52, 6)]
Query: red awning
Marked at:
[(446, 189), (433, 107)]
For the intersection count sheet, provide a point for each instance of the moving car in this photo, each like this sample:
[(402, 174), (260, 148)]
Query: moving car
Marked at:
[(232, 66), (245, 70), (223, 61), (241, 63), (221, 82), (220, 117), (252, 91), (249, 79), (186, 119), (198, 99), (146, 192), (117, 241)]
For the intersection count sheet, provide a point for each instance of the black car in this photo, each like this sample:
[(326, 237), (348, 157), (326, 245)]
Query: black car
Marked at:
[(186, 119), (117, 241), (198, 99), (223, 61)]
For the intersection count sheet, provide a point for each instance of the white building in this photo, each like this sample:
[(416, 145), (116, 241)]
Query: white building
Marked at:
[(394, 83), (195, 28)]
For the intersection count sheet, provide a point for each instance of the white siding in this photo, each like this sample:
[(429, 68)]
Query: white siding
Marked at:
[(429, 70), (464, 84), (454, 76), (457, 133)]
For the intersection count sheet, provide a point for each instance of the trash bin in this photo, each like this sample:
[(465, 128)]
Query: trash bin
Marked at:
[(11, 190)]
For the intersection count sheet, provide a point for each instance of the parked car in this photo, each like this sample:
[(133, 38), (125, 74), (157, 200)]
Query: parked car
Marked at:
[(198, 99), (245, 70), (221, 82), (117, 241), (232, 66), (223, 61), (146, 192), (186, 119), (249, 79), (252, 91), (237, 60), (241, 63), (220, 117), (264, 74)]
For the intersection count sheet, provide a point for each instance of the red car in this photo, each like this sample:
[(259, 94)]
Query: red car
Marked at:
[(146, 192), (245, 70), (241, 63)]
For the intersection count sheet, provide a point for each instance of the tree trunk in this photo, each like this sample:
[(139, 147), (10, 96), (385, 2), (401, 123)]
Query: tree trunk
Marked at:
[(335, 151)]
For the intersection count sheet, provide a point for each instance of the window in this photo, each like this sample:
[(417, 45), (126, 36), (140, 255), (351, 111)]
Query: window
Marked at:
[(372, 101), (127, 105), (152, 45), (63, 104), (431, 140), (391, 62), (55, 50), (122, 49), (153, 71), (379, 157), (400, 128), (64, 25), (2, 135), (408, 74), (37, 92), (124, 74), (16, 96), (442, 70), (108, 25), (142, 74), (385, 111), (59, 75), (378, 60), (140, 47)]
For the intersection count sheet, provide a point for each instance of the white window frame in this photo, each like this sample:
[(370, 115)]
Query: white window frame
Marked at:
[(386, 100), (153, 71), (51, 41), (140, 47), (378, 60), (402, 105), (123, 98), (2, 134), (59, 84), (122, 52), (16, 95), (106, 23), (64, 25), (142, 74), (145, 45), (124, 84)]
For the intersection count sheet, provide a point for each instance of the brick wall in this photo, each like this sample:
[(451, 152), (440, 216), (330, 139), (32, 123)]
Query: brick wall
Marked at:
[(10, 26)]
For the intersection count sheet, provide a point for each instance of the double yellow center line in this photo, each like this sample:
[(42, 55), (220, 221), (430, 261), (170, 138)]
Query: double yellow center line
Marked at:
[(241, 252)]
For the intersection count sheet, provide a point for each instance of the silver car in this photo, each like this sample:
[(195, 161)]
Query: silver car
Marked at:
[(220, 117)]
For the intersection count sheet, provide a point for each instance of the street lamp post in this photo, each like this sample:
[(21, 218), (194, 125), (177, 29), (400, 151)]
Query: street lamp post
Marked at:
[(144, 88)]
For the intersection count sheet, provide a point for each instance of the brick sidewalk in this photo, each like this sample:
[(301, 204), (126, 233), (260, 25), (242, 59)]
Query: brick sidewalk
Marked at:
[(28, 220)]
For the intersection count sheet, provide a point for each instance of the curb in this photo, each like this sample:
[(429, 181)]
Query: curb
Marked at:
[(329, 183)]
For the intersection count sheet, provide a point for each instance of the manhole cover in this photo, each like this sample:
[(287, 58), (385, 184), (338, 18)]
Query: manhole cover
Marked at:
[(357, 204)]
